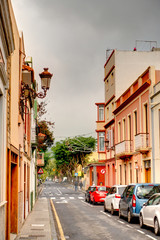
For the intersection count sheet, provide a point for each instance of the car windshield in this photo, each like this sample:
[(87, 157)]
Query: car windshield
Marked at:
[(120, 190), (102, 189), (90, 188), (146, 191)]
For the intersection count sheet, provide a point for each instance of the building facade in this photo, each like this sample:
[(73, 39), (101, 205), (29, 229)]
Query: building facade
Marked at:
[(155, 126), (120, 71), (132, 132), (6, 49)]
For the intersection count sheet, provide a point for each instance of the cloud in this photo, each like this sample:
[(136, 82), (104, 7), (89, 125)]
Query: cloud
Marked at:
[(71, 38)]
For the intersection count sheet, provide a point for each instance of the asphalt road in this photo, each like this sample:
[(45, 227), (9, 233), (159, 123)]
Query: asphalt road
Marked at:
[(83, 221)]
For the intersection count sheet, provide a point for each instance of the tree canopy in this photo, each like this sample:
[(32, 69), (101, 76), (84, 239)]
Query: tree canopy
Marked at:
[(72, 152)]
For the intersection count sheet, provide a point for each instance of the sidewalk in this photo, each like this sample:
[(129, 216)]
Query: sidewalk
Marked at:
[(39, 224)]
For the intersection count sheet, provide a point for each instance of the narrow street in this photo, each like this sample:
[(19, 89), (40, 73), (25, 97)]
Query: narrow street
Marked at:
[(81, 220)]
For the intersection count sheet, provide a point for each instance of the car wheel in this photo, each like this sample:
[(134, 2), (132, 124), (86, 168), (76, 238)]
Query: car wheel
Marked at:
[(156, 227), (105, 210), (112, 210), (129, 217), (141, 221), (94, 202), (119, 213)]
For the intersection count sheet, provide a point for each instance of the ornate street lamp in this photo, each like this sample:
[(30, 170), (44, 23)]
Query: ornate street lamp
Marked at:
[(28, 79)]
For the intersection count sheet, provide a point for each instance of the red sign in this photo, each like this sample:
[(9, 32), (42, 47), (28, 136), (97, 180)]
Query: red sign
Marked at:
[(103, 171), (40, 171)]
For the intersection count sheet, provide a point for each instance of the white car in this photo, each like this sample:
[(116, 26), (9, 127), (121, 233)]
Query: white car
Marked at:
[(150, 213), (111, 202)]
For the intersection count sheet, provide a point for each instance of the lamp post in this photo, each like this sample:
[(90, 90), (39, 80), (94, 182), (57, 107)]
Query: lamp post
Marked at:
[(26, 89), (27, 86)]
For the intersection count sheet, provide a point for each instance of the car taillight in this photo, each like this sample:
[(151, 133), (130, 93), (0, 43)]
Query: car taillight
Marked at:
[(117, 196), (134, 201)]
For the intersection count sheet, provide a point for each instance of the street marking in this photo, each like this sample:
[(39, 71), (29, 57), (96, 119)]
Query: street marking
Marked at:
[(64, 201), (120, 222), (59, 191), (129, 226), (53, 198), (58, 221), (140, 231), (62, 197), (86, 203), (105, 213), (151, 237), (71, 197), (81, 197), (37, 225)]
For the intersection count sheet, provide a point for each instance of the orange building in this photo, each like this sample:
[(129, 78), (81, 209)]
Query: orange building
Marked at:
[(132, 132)]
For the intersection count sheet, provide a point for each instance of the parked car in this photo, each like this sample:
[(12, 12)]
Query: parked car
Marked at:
[(111, 202), (88, 192), (98, 194), (133, 198), (150, 213)]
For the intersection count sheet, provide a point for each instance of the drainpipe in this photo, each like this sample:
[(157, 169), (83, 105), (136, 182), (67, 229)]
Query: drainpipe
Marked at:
[(153, 154), (153, 145)]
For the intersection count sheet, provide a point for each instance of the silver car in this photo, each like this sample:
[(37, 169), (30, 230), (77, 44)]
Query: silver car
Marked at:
[(111, 202), (150, 213)]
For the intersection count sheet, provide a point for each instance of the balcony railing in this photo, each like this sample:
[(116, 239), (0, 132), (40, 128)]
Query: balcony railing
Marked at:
[(142, 142), (124, 149)]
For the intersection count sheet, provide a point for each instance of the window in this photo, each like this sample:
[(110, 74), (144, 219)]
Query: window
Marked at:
[(129, 127), (135, 123), (107, 112), (136, 167), (112, 107), (146, 118), (101, 141), (124, 129), (120, 174), (119, 131), (125, 174), (101, 113), (130, 171), (156, 200), (129, 192)]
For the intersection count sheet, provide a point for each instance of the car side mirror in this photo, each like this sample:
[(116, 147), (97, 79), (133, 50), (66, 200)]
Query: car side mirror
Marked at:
[(145, 204)]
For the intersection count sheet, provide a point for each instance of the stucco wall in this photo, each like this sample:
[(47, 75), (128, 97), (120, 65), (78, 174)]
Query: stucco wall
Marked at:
[(130, 65), (2, 222)]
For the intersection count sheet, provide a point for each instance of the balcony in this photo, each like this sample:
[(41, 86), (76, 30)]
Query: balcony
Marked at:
[(124, 149), (142, 142)]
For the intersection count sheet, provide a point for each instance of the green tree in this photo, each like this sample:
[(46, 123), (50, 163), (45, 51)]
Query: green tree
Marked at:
[(72, 152), (45, 127)]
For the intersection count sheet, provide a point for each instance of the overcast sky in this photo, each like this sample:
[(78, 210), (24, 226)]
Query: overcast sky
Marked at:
[(71, 37)]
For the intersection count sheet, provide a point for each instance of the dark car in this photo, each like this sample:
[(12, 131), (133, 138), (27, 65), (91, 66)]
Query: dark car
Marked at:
[(133, 198), (88, 192)]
